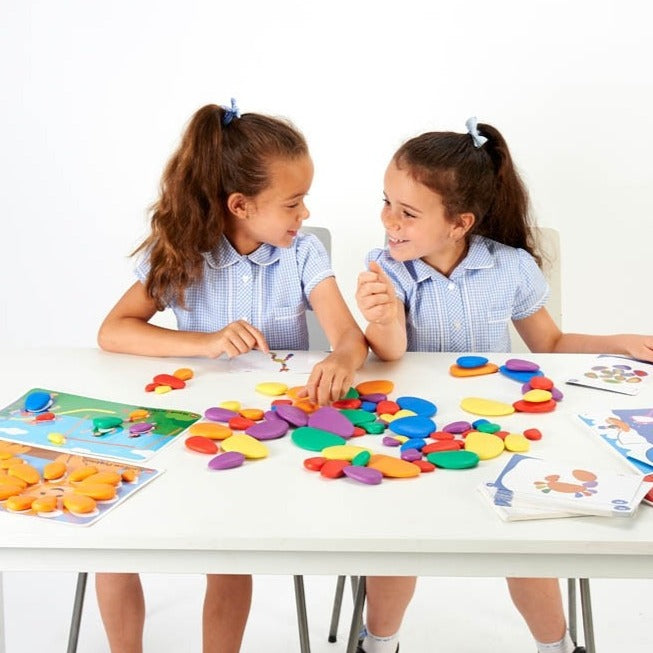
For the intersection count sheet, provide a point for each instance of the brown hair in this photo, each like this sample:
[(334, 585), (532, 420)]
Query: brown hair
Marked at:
[(479, 180), (212, 162)]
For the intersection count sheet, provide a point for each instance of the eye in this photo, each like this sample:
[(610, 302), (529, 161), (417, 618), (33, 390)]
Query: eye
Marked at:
[(292, 206), (386, 201), (406, 214)]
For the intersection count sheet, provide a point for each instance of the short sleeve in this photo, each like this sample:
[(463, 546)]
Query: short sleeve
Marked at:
[(142, 268), (396, 271), (533, 289), (312, 263)]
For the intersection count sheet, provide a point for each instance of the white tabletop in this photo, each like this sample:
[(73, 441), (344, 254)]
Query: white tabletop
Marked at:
[(273, 516)]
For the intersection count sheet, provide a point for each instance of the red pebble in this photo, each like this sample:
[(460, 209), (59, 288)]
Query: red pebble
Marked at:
[(282, 402), (168, 379), (464, 434), (150, 387), (441, 435), (501, 434), (44, 417), (347, 403), (315, 464), (541, 383), (358, 431), (425, 466), (534, 407), (533, 434), (387, 407), (334, 468), (201, 444), (240, 423), (441, 445)]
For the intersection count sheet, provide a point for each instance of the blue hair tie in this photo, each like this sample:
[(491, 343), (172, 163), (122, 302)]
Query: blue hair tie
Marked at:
[(472, 130), (230, 113)]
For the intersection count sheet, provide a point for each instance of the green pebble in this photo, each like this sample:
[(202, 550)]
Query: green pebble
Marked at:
[(358, 417), (488, 427), (352, 393), (312, 439), (105, 423), (361, 459), (453, 459), (373, 428)]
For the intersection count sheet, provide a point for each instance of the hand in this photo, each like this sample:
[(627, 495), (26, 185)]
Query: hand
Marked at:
[(330, 379), (637, 346), (375, 296), (235, 339)]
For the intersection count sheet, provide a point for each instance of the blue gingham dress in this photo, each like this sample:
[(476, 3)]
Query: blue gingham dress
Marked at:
[(269, 288), (470, 311)]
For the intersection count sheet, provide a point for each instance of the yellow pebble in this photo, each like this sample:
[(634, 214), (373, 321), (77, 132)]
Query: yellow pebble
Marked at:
[(139, 413), (211, 430), (486, 407), (183, 373), (485, 445), (342, 452), (255, 414), (231, 405), (537, 396), (272, 388), (404, 412), (162, 389), (517, 442), (247, 445), (401, 438), (54, 470), (57, 438)]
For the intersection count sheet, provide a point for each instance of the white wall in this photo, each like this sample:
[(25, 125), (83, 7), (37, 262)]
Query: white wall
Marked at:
[(95, 95)]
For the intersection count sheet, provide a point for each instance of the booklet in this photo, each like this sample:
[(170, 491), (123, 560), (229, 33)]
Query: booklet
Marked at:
[(614, 373)]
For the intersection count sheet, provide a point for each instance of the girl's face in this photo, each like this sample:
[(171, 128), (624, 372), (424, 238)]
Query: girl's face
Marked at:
[(417, 225), (275, 215)]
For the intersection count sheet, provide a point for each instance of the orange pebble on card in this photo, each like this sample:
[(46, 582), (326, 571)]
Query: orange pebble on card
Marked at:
[(254, 414), (315, 463)]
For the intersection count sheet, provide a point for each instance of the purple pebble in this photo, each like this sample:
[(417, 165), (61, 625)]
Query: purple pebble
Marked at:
[(520, 365), (410, 455), (331, 420), (141, 427), (556, 395), (526, 388), (268, 429), (375, 397), (227, 460), (293, 415), (216, 414), (366, 475), (457, 427), (271, 415), (390, 441)]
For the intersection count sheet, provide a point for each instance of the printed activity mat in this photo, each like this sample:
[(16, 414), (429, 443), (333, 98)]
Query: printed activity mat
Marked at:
[(64, 487), (614, 373), (94, 427)]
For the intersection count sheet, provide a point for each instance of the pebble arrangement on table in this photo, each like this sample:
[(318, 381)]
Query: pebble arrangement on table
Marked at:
[(405, 423)]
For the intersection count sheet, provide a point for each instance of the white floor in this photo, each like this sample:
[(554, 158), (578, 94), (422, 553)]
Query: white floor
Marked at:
[(446, 616)]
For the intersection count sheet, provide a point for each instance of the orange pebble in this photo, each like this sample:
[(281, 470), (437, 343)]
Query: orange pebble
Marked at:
[(128, 475), (47, 503), (441, 435), (315, 463), (440, 445), (78, 503), (293, 393), (383, 387), (26, 473), (254, 414), (424, 466), (81, 473), (334, 468), (183, 373), (306, 405), (240, 423), (9, 490), (150, 387), (20, 502), (387, 407), (112, 478), (53, 470), (358, 431), (541, 383), (97, 491)]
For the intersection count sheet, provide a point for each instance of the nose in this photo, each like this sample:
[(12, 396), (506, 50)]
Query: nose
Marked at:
[(390, 222)]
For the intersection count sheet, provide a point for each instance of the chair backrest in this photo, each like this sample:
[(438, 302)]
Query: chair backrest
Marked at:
[(549, 240), (317, 340)]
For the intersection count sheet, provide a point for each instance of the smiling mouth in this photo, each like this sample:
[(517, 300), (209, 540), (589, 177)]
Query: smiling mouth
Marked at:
[(395, 241)]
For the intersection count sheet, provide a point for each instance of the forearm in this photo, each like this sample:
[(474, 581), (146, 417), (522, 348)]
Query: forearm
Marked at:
[(131, 335), (580, 343), (387, 341), (352, 346)]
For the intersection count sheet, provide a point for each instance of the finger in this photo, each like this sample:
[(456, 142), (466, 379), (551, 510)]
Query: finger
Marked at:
[(259, 339), (377, 269)]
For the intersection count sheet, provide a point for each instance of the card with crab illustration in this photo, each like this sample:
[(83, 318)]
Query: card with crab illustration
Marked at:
[(614, 373), (65, 487)]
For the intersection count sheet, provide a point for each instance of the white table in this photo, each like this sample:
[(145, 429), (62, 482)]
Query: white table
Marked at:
[(274, 517)]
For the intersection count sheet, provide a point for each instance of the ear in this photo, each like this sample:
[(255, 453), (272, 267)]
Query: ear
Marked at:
[(462, 224), (237, 204)]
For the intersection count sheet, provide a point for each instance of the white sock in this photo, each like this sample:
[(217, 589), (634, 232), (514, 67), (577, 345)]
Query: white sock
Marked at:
[(565, 645), (374, 644)]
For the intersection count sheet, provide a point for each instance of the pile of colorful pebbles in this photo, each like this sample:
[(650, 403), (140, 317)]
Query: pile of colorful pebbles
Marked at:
[(163, 383), (472, 366), (406, 424)]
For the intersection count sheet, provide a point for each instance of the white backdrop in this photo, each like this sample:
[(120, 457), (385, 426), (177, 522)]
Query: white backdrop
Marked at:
[(95, 96)]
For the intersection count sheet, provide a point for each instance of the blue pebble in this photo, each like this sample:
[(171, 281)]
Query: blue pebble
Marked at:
[(480, 421), (414, 443), (415, 426), (369, 406), (37, 402), (470, 362), (420, 406), (522, 377)]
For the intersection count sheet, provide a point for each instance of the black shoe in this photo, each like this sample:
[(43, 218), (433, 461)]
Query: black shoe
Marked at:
[(579, 649)]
